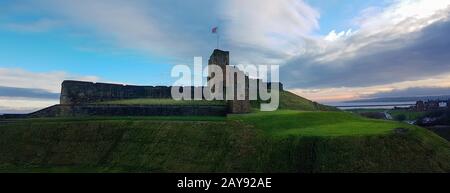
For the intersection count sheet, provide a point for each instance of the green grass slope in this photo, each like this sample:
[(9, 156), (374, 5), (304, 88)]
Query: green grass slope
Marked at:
[(291, 101), (282, 141), (288, 100), (152, 101)]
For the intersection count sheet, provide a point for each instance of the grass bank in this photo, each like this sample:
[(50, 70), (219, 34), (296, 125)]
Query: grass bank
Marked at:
[(282, 141)]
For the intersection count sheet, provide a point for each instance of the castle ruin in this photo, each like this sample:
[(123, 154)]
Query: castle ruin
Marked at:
[(80, 98)]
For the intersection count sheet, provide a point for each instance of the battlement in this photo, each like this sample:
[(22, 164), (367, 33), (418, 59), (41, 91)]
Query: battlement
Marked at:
[(79, 92)]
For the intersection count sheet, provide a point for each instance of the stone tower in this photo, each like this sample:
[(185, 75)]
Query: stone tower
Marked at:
[(222, 59)]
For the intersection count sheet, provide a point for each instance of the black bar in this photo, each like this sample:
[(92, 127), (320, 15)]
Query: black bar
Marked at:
[(278, 182)]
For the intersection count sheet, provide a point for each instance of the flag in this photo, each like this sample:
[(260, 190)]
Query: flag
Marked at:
[(214, 30)]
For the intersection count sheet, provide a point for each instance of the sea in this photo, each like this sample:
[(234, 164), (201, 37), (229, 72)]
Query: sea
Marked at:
[(370, 105)]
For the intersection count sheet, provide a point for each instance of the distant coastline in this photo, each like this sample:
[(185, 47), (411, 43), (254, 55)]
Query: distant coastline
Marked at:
[(400, 99), (385, 103), (370, 105)]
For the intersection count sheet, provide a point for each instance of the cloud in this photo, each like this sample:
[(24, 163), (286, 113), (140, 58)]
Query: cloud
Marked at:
[(27, 93), (267, 31), (23, 105), (45, 81), (412, 91), (333, 36), (255, 30), (391, 47), (355, 93)]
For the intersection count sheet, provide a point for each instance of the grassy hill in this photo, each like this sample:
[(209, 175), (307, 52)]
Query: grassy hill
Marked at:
[(292, 101), (152, 101), (281, 141), (288, 100)]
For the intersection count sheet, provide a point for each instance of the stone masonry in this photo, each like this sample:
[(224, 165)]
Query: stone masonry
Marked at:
[(222, 59), (81, 93)]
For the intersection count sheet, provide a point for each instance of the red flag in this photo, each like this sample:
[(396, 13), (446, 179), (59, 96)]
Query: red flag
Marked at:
[(214, 30)]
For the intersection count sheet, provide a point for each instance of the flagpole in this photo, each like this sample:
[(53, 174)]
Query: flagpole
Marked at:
[(216, 31), (218, 36)]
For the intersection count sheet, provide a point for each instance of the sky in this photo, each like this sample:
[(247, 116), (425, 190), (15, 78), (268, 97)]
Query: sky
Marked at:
[(328, 50)]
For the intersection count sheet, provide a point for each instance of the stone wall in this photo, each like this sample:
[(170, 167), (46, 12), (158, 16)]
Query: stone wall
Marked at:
[(82, 93), (237, 105), (129, 110), (79, 92), (222, 59)]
